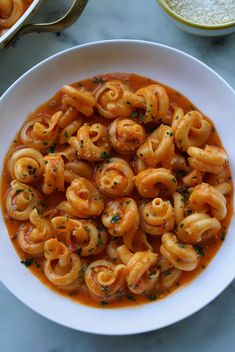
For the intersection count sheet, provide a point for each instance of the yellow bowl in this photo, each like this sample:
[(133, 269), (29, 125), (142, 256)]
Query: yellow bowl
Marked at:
[(196, 28)]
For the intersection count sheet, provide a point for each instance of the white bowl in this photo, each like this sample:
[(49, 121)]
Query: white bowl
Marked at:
[(206, 90)]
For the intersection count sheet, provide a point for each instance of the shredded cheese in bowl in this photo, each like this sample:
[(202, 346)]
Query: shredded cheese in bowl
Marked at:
[(206, 12)]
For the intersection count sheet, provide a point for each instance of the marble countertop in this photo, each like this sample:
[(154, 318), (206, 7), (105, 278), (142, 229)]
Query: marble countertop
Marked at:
[(211, 329)]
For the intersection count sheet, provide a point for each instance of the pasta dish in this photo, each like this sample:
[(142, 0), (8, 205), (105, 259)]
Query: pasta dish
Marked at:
[(117, 191), (11, 11)]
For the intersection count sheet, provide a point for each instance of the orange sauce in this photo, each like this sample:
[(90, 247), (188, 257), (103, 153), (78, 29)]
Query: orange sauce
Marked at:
[(207, 249)]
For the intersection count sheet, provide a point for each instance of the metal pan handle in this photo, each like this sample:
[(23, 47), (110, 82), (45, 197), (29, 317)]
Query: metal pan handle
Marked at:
[(67, 20)]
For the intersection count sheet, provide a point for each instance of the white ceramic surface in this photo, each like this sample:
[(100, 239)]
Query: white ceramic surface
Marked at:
[(12, 30), (206, 90)]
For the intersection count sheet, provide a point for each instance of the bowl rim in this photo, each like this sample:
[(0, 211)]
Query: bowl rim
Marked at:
[(136, 330), (164, 5)]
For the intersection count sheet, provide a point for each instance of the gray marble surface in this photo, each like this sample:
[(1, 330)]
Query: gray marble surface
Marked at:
[(211, 329)]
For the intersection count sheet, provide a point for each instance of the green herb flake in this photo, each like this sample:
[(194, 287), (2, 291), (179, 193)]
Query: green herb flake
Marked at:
[(179, 174), (130, 297), (141, 117), (79, 250), (167, 273), (199, 250), (98, 80), (51, 149), (170, 134), (173, 180), (105, 155), (14, 237), (115, 218), (99, 242), (65, 134), (103, 303), (27, 262), (152, 297), (223, 235), (134, 114)]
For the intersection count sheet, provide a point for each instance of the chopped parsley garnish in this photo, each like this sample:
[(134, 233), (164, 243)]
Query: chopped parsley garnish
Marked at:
[(100, 227), (180, 173), (99, 242), (51, 149), (184, 191), (98, 80), (173, 180), (104, 303), (105, 155), (65, 134), (27, 262), (199, 250), (115, 218), (170, 134), (152, 297), (79, 250), (167, 273), (134, 114), (141, 117), (223, 235), (130, 297)]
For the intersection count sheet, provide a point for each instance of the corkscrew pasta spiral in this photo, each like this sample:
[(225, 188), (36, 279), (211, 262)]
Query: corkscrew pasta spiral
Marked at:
[(75, 169), (210, 159), (115, 177), (114, 98), (81, 236), (61, 267), (157, 146), (53, 173), (105, 280), (41, 132), (155, 101), (21, 200), (198, 227), (169, 275), (121, 217), (182, 256), (206, 198), (126, 135), (26, 165), (91, 142), (157, 217), (192, 130), (151, 182), (142, 273), (84, 199), (69, 123), (32, 235), (81, 99)]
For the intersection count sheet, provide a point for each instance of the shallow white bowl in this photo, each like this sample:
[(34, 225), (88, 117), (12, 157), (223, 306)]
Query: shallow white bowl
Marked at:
[(208, 92)]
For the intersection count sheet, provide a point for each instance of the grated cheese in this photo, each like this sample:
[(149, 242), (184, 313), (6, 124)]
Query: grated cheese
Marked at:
[(207, 12)]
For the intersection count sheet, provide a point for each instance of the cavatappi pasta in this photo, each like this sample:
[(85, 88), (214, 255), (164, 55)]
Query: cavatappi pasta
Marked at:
[(11, 11), (117, 191)]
